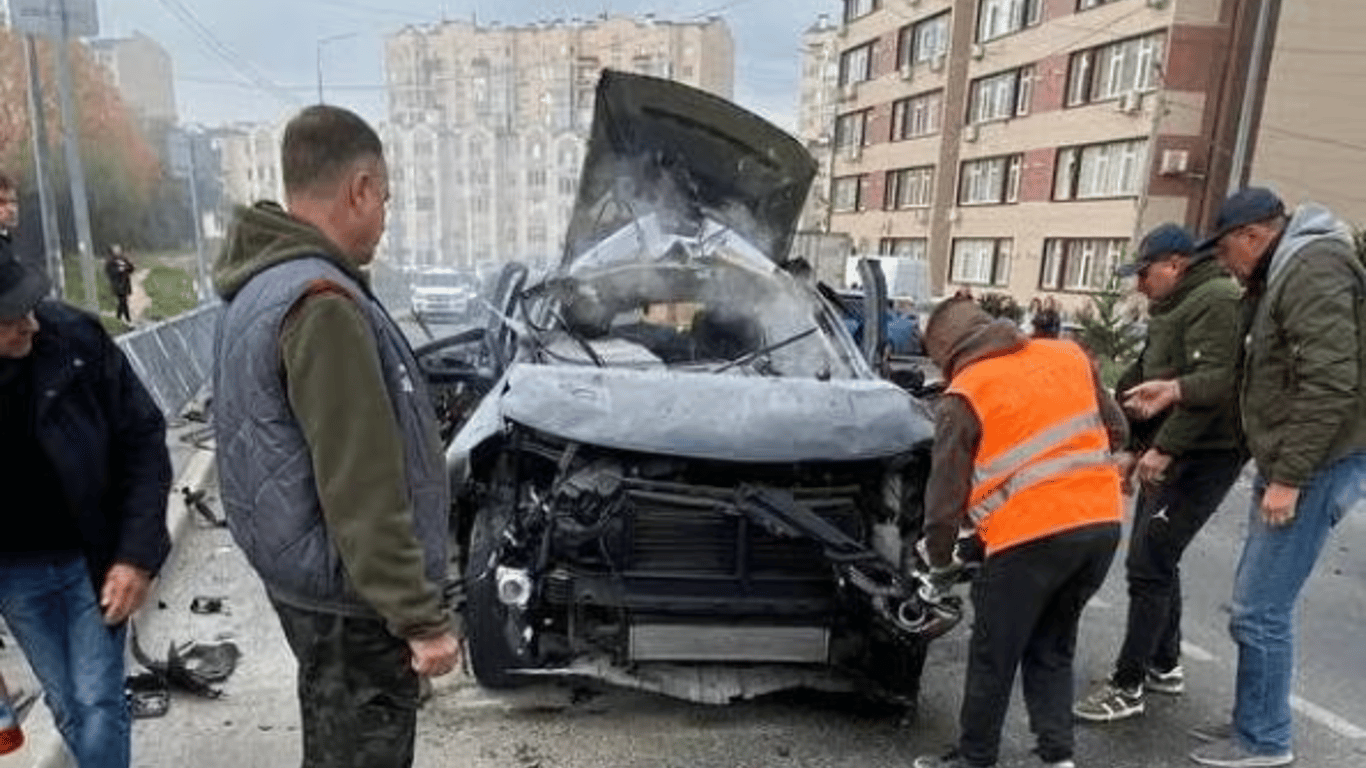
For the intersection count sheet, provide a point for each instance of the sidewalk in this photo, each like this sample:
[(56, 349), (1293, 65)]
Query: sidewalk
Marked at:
[(191, 467)]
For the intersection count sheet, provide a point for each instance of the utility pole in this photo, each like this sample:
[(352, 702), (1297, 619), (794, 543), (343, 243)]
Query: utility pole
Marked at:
[(52, 239), (80, 205)]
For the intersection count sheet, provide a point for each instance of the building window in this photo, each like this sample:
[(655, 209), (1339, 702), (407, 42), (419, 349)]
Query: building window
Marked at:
[(856, 65), (847, 194), (1001, 96), (910, 187), (1110, 71), (1098, 171), (904, 247), (851, 130), (997, 18), (990, 181), (981, 261), (917, 116), (923, 41), (1080, 264), (855, 9)]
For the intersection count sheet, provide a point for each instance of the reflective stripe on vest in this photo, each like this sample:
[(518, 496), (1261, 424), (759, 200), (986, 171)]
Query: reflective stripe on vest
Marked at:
[(1042, 465)]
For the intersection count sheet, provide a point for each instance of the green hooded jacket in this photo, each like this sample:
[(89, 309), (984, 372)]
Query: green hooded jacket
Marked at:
[(1302, 377), (1193, 337)]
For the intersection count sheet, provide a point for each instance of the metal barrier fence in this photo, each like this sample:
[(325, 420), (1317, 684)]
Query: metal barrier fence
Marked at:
[(174, 358)]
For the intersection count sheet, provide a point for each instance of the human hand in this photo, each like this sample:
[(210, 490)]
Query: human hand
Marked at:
[(1278, 504), (1124, 462), (1152, 467), (435, 656), (1151, 398), (124, 590)]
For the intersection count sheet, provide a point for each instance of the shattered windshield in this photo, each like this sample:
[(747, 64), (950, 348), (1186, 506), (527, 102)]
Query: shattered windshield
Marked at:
[(710, 305)]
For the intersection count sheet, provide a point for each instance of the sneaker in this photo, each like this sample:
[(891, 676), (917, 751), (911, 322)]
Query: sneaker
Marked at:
[(950, 759), (1109, 702), (1228, 753), (1061, 764), (1171, 682), (1213, 732)]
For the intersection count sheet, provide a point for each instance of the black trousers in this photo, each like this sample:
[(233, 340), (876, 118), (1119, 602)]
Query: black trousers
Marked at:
[(1166, 519), (358, 693), (121, 310), (1027, 603)]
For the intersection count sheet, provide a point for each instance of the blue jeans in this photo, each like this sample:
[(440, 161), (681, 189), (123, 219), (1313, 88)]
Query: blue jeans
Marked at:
[(1274, 566), (51, 608)]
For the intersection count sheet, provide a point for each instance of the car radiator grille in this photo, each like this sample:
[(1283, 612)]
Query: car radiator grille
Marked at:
[(689, 530)]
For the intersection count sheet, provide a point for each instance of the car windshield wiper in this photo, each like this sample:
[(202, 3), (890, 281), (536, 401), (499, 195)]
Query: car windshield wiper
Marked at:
[(750, 357)]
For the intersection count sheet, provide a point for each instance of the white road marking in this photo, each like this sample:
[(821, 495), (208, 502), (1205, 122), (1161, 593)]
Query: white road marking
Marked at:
[(1325, 718)]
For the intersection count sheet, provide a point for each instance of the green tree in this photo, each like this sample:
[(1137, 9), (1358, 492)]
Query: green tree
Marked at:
[(1108, 331)]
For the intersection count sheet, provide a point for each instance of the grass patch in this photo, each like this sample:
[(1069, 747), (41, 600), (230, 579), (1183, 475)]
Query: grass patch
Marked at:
[(170, 292)]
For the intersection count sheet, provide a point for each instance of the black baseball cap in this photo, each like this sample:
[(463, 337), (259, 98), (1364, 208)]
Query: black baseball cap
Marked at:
[(1246, 206), (1157, 245), (21, 288)]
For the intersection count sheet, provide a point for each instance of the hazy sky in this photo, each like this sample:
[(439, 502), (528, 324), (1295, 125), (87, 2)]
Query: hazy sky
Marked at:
[(274, 46)]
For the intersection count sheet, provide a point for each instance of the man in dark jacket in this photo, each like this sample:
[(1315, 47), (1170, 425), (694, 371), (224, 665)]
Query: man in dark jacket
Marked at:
[(85, 443), (1186, 457), (330, 464), (1301, 387), (1022, 447), (119, 269)]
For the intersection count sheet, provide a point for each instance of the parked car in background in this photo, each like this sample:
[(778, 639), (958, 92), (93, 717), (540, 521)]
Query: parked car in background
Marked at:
[(682, 473), (442, 295)]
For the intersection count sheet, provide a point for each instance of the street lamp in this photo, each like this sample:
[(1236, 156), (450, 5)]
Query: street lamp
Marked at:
[(321, 42)]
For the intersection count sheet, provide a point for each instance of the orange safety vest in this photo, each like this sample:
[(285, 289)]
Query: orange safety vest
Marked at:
[(1043, 464)]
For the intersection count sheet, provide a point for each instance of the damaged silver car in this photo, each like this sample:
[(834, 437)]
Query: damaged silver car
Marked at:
[(674, 468)]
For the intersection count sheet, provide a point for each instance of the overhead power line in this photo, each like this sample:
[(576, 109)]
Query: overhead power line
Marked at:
[(230, 57)]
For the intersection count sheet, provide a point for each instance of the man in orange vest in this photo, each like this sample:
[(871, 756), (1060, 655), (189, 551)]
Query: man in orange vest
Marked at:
[(1022, 455)]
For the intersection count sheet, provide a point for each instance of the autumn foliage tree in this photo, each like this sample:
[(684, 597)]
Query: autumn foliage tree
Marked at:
[(125, 180)]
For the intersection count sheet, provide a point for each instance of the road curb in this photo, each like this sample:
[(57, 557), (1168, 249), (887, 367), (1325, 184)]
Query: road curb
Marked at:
[(44, 747)]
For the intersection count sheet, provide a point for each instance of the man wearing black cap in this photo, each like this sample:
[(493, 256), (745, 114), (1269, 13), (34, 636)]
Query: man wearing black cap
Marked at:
[(85, 443), (1301, 386), (1189, 459)]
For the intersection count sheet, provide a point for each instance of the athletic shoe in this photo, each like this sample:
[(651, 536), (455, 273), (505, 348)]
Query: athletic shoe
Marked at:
[(1109, 702), (1171, 682), (1228, 753), (950, 759)]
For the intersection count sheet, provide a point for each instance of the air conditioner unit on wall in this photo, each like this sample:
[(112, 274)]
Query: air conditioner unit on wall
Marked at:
[(970, 132), (1174, 162), (978, 50), (1129, 102), (922, 215), (853, 152), (955, 215), (848, 92), (1158, 4), (907, 71), (937, 63)]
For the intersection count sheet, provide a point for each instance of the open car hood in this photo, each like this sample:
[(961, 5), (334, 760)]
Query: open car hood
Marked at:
[(693, 160)]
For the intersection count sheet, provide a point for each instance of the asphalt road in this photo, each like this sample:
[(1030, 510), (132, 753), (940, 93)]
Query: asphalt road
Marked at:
[(582, 726)]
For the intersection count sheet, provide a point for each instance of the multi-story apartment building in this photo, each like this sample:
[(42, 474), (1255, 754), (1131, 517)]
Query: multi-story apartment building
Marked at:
[(249, 162), (487, 125), (1308, 143), (1021, 145), (142, 72), (816, 107)]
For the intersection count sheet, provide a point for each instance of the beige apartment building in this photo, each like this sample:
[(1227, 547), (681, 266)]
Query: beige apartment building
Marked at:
[(1310, 142), (142, 72), (488, 124), (1021, 145)]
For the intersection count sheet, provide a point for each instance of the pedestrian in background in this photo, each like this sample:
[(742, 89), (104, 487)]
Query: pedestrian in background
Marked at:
[(119, 269), (1186, 458), (1301, 388), (1022, 445), (331, 471), (85, 533)]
